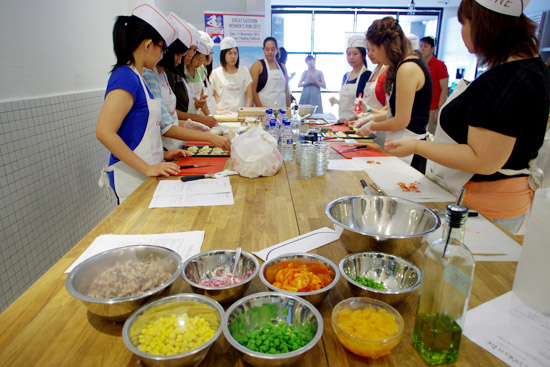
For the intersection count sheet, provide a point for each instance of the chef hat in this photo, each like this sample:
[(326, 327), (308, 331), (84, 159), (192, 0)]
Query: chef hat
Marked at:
[(228, 43), (205, 43), (146, 10), (186, 32), (508, 7), (357, 41), (415, 41)]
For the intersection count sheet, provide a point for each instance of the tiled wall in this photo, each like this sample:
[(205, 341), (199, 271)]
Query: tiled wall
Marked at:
[(49, 197)]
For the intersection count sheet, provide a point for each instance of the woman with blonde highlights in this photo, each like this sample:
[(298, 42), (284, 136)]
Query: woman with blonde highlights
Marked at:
[(408, 84)]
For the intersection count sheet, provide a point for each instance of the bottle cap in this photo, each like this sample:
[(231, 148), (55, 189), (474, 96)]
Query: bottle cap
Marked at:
[(269, 111), (455, 215), (273, 122)]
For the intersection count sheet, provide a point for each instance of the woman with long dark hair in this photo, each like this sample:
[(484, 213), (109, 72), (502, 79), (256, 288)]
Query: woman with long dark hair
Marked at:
[(232, 82), (492, 128)]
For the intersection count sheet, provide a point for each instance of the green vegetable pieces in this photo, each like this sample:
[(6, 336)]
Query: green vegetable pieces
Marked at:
[(370, 283)]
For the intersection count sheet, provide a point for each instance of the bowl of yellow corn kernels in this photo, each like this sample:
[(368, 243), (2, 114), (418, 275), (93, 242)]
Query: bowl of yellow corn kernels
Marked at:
[(174, 331)]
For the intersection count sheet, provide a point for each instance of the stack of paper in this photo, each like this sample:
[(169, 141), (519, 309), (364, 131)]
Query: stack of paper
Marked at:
[(206, 192), (398, 179), (186, 244)]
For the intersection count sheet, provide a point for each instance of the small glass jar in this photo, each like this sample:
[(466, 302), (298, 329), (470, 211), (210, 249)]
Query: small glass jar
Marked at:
[(321, 157), (299, 147), (307, 159)]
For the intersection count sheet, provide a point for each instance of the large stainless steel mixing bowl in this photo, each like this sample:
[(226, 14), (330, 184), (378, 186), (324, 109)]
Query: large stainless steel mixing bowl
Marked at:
[(382, 223)]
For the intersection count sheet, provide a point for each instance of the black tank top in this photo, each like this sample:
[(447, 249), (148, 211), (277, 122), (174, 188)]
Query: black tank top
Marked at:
[(422, 100), (262, 79)]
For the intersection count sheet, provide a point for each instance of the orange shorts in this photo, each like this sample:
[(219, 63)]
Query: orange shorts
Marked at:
[(502, 199)]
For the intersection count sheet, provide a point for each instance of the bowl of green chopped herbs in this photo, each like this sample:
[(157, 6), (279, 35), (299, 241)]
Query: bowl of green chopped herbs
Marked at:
[(272, 329), (380, 276)]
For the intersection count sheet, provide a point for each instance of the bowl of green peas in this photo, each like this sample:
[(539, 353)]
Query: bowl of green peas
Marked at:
[(381, 276), (272, 329)]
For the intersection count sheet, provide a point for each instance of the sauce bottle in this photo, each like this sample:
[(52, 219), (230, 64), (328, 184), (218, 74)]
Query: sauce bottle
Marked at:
[(447, 277)]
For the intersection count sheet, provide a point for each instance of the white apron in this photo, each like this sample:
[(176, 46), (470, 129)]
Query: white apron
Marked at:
[(346, 104), (369, 93), (190, 93), (453, 180), (274, 92), (170, 100), (233, 93), (210, 102), (401, 133), (149, 149)]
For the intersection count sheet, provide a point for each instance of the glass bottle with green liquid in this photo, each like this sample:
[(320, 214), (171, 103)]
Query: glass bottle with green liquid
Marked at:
[(447, 278)]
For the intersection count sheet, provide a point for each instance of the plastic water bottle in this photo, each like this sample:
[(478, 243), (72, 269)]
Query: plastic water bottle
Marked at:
[(273, 131), (267, 118), (295, 123), (280, 117), (286, 143)]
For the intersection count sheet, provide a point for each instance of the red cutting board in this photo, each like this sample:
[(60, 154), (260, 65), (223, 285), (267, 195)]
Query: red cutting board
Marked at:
[(371, 152), (217, 165)]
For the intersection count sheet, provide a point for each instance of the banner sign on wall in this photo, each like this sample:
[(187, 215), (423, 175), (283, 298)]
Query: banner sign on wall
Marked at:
[(247, 30)]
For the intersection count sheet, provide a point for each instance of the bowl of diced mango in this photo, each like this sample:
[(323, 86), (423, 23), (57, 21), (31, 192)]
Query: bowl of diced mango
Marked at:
[(367, 327), (174, 331)]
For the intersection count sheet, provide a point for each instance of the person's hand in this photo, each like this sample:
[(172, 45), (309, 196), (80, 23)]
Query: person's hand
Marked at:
[(333, 101), (192, 125), (401, 147), (221, 141), (199, 103), (366, 129), (162, 169), (175, 153), (363, 120), (208, 121), (344, 121)]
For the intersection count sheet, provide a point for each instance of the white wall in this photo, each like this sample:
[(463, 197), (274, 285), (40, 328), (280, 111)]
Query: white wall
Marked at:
[(56, 47)]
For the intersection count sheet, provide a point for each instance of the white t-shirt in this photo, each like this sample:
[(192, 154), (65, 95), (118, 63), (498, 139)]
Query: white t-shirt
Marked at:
[(230, 89)]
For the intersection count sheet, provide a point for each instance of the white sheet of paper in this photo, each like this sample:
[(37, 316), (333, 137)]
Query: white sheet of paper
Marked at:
[(186, 244), (511, 331), (486, 241), (181, 201), (384, 165), (429, 191), (343, 165), (304, 243), (205, 192), (204, 186)]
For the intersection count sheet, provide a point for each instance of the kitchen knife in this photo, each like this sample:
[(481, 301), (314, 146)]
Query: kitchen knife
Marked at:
[(365, 187), (378, 191), (359, 147), (196, 177), (195, 165)]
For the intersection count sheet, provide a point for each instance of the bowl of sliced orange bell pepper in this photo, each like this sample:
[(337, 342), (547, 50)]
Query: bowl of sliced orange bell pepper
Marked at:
[(309, 276)]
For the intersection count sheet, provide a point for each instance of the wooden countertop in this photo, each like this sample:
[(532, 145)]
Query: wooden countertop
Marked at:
[(45, 326)]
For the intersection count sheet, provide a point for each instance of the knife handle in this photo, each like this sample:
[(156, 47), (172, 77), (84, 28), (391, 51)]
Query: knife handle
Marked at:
[(364, 183), (188, 166), (192, 178)]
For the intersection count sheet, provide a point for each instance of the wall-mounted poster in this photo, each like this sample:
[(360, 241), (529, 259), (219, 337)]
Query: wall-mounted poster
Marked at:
[(247, 30)]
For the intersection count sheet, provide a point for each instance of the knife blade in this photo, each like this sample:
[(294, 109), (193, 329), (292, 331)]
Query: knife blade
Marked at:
[(195, 165), (366, 187), (358, 147), (378, 191)]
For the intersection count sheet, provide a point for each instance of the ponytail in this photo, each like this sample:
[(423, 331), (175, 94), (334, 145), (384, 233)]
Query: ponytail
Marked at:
[(128, 33)]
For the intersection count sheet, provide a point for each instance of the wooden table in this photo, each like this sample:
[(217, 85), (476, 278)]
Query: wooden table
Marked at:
[(45, 326)]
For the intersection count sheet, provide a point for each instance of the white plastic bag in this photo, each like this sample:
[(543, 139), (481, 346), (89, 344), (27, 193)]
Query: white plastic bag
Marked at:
[(255, 153)]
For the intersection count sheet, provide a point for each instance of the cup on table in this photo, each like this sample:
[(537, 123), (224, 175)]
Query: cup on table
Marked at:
[(321, 157), (307, 160), (299, 147)]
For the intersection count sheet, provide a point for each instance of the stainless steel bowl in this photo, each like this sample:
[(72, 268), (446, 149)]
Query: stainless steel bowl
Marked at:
[(291, 309), (82, 276), (203, 265), (315, 297), (177, 304), (399, 276), (382, 223), (305, 109)]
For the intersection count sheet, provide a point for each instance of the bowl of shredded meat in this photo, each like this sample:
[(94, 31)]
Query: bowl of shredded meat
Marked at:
[(115, 283)]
